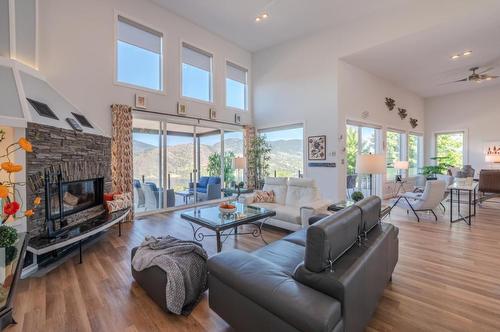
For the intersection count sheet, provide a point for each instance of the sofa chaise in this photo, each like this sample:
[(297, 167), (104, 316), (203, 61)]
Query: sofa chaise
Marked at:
[(296, 200), (328, 277)]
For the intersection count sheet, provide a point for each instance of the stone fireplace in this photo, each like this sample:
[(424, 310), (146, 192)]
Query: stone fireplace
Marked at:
[(82, 157)]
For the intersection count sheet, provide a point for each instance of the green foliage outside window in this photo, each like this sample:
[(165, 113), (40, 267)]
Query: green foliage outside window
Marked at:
[(449, 149), (214, 167), (351, 149), (393, 152)]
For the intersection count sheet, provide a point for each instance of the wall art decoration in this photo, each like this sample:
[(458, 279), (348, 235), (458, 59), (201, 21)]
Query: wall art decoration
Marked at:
[(492, 151), (140, 101), (402, 113), (390, 103), (212, 114), (413, 122), (316, 147), (181, 109)]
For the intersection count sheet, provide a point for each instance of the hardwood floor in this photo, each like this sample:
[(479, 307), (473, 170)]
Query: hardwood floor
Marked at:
[(447, 279)]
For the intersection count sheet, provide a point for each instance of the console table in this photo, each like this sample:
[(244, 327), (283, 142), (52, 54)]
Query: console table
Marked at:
[(472, 192), (11, 264), (42, 244)]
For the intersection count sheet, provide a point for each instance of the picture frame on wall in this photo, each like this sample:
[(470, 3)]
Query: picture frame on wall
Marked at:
[(140, 101), (316, 147), (212, 114)]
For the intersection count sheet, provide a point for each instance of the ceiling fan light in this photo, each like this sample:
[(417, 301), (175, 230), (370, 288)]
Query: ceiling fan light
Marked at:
[(488, 78), (466, 53), (455, 56), (264, 15), (258, 19)]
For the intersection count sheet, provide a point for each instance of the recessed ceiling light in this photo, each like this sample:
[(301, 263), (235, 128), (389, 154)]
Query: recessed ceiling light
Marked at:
[(467, 53), (455, 56)]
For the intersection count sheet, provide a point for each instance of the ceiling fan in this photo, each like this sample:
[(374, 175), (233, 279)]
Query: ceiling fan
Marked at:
[(477, 77)]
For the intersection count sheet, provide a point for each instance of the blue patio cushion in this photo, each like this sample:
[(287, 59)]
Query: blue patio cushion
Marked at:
[(214, 180), (203, 182), (202, 190)]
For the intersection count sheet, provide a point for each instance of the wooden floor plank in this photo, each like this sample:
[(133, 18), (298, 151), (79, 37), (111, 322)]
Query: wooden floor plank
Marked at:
[(447, 279)]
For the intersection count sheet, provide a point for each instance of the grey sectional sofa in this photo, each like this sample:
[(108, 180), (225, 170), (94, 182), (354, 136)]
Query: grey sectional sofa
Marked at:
[(328, 277)]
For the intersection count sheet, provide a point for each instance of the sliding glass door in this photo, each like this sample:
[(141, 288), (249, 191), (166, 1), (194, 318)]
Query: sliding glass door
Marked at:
[(147, 165), (177, 164), (361, 139)]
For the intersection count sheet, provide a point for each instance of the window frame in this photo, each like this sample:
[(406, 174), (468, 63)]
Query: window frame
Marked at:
[(264, 130), (162, 91), (204, 51), (247, 101), (420, 154), (403, 149), (465, 148)]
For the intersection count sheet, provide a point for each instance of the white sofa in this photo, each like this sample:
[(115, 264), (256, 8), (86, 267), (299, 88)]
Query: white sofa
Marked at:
[(296, 201)]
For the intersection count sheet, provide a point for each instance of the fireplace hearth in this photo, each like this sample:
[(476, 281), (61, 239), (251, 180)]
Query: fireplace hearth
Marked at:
[(84, 162)]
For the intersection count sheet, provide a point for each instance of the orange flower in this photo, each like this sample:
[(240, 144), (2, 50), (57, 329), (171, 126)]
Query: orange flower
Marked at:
[(29, 213), (37, 200), (11, 167), (4, 192), (25, 144)]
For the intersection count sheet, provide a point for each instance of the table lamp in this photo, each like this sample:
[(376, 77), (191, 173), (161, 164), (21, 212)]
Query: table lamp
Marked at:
[(400, 165), (370, 164), (239, 163)]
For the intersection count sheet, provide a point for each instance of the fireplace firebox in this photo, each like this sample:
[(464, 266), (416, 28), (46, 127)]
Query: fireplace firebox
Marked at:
[(63, 199)]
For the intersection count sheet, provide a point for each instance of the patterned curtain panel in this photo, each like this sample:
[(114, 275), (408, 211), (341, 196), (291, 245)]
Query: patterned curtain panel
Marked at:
[(121, 149), (249, 134)]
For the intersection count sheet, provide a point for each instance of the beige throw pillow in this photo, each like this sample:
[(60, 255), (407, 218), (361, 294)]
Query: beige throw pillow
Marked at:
[(264, 197)]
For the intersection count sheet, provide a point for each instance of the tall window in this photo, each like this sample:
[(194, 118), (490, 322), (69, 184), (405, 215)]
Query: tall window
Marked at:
[(360, 139), (394, 152), (450, 148), (236, 86), (287, 144), (196, 73), (138, 55), (415, 153)]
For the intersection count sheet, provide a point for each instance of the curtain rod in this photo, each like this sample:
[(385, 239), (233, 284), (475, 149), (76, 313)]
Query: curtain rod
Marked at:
[(187, 117)]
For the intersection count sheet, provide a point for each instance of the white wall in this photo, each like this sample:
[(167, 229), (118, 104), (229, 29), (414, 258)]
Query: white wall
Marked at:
[(478, 112), (297, 81), (77, 56), (361, 91)]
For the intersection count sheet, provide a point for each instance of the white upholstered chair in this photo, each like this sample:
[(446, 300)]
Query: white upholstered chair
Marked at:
[(430, 199)]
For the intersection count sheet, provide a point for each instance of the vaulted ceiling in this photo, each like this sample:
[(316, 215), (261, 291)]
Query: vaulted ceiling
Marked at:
[(422, 63), (235, 19)]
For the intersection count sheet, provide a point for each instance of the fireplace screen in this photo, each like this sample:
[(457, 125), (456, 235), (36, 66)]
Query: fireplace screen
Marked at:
[(76, 196)]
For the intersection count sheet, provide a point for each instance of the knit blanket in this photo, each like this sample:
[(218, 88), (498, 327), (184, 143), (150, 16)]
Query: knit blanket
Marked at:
[(184, 262)]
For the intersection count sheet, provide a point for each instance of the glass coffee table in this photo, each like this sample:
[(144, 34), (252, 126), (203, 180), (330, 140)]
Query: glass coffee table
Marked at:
[(225, 225)]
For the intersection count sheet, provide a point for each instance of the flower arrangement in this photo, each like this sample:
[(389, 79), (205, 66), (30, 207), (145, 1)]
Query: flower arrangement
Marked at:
[(9, 194)]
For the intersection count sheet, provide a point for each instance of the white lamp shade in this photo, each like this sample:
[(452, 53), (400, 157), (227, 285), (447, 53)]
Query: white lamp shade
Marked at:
[(370, 164), (400, 164), (239, 163)]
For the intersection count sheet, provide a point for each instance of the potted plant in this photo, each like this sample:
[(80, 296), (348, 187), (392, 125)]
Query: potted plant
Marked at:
[(9, 196), (357, 196), (258, 158), (442, 165)]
